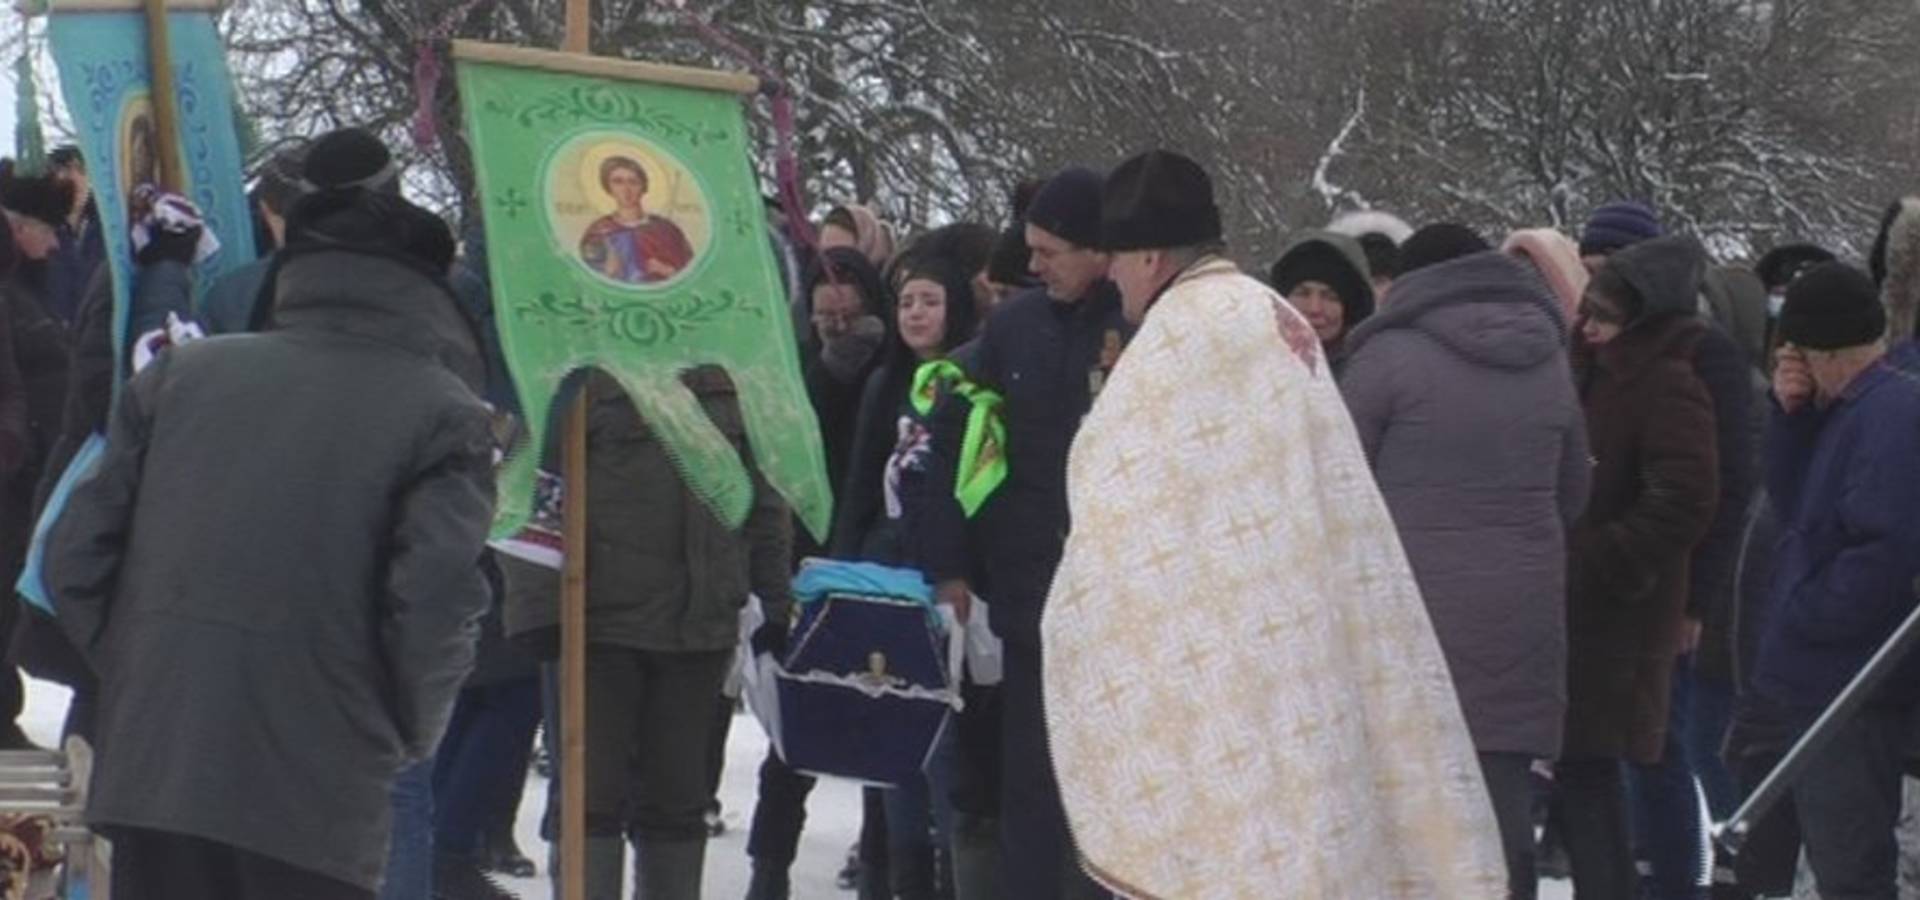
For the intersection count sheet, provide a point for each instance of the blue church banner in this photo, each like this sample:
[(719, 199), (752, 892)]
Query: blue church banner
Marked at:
[(105, 77)]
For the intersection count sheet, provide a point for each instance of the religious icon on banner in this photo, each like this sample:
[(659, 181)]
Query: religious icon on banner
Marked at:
[(627, 233), (105, 78), (639, 214), (139, 149)]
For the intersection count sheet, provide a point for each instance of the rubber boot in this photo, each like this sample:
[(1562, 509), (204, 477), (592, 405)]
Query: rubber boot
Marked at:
[(606, 867), (669, 870), (769, 882)]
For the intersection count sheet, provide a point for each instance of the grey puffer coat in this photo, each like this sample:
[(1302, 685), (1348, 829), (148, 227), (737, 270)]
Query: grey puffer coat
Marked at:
[(1466, 408)]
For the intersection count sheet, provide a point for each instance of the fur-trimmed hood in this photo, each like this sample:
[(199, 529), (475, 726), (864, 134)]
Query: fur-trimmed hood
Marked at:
[(1371, 221), (1896, 265), (1557, 258)]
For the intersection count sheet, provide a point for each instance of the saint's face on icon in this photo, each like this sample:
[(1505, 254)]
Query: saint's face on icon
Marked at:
[(139, 154), (630, 245), (628, 188)]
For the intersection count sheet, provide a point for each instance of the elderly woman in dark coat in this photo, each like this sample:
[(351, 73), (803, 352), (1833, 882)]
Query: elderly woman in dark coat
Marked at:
[(1465, 408), (1655, 489)]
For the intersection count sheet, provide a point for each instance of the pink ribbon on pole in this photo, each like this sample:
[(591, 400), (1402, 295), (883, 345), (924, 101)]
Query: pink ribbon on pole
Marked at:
[(786, 161), (427, 71)]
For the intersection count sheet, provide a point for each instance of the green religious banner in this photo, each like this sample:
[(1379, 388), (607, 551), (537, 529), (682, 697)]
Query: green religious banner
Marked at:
[(626, 232)]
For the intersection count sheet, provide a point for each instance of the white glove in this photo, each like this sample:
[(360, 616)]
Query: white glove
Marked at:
[(150, 344)]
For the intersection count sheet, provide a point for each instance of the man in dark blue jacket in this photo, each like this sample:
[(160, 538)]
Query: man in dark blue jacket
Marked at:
[(1841, 450), (1048, 351), (231, 303), (82, 247)]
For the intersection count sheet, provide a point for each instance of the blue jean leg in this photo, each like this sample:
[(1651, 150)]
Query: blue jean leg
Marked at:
[(1706, 732), (550, 742), (1667, 831), (481, 762), (410, 854)]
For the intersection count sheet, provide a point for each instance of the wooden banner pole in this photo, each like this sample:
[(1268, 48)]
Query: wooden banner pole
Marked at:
[(606, 67), (578, 28), (166, 115), (573, 604)]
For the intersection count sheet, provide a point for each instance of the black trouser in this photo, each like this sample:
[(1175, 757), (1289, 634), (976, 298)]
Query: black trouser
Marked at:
[(649, 720), (1848, 801), (1509, 779), (976, 753), (876, 869), (1769, 857), (13, 690), (1037, 856), (717, 750), (1593, 806), (159, 865), (779, 814)]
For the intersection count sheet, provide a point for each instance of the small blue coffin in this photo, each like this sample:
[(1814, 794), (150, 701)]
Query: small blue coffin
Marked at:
[(868, 682)]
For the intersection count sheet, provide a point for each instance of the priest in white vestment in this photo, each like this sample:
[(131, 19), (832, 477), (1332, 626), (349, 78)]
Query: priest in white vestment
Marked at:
[(1244, 696)]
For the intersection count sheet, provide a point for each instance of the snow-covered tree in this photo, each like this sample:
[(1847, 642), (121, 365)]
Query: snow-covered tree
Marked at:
[(1745, 121)]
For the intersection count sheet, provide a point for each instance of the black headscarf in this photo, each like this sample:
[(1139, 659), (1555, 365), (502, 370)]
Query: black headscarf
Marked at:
[(962, 317)]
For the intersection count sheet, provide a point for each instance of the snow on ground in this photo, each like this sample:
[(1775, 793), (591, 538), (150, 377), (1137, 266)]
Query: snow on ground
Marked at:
[(833, 820), (833, 824)]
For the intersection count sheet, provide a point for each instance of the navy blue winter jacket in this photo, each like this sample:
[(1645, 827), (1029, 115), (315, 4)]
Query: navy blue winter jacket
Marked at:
[(1046, 359), (1848, 568)]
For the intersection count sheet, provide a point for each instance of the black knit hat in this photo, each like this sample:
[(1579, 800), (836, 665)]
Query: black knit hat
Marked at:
[(1781, 265), (1383, 255), (1435, 244), (1068, 207), (348, 158), (1335, 261), (1831, 307), (46, 198), (1619, 225), (1156, 200)]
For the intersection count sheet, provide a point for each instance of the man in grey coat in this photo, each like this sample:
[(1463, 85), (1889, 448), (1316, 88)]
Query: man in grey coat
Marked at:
[(1465, 405), (274, 569)]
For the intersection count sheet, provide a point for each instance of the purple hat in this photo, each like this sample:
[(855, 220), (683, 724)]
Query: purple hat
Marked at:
[(1619, 225)]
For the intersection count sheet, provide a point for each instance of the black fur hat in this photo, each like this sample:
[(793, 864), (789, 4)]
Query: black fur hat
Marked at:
[(350, 158), (1781, 265)]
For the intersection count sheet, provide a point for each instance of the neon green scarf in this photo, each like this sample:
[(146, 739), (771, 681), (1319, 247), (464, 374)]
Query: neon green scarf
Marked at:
[(983, 452)]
